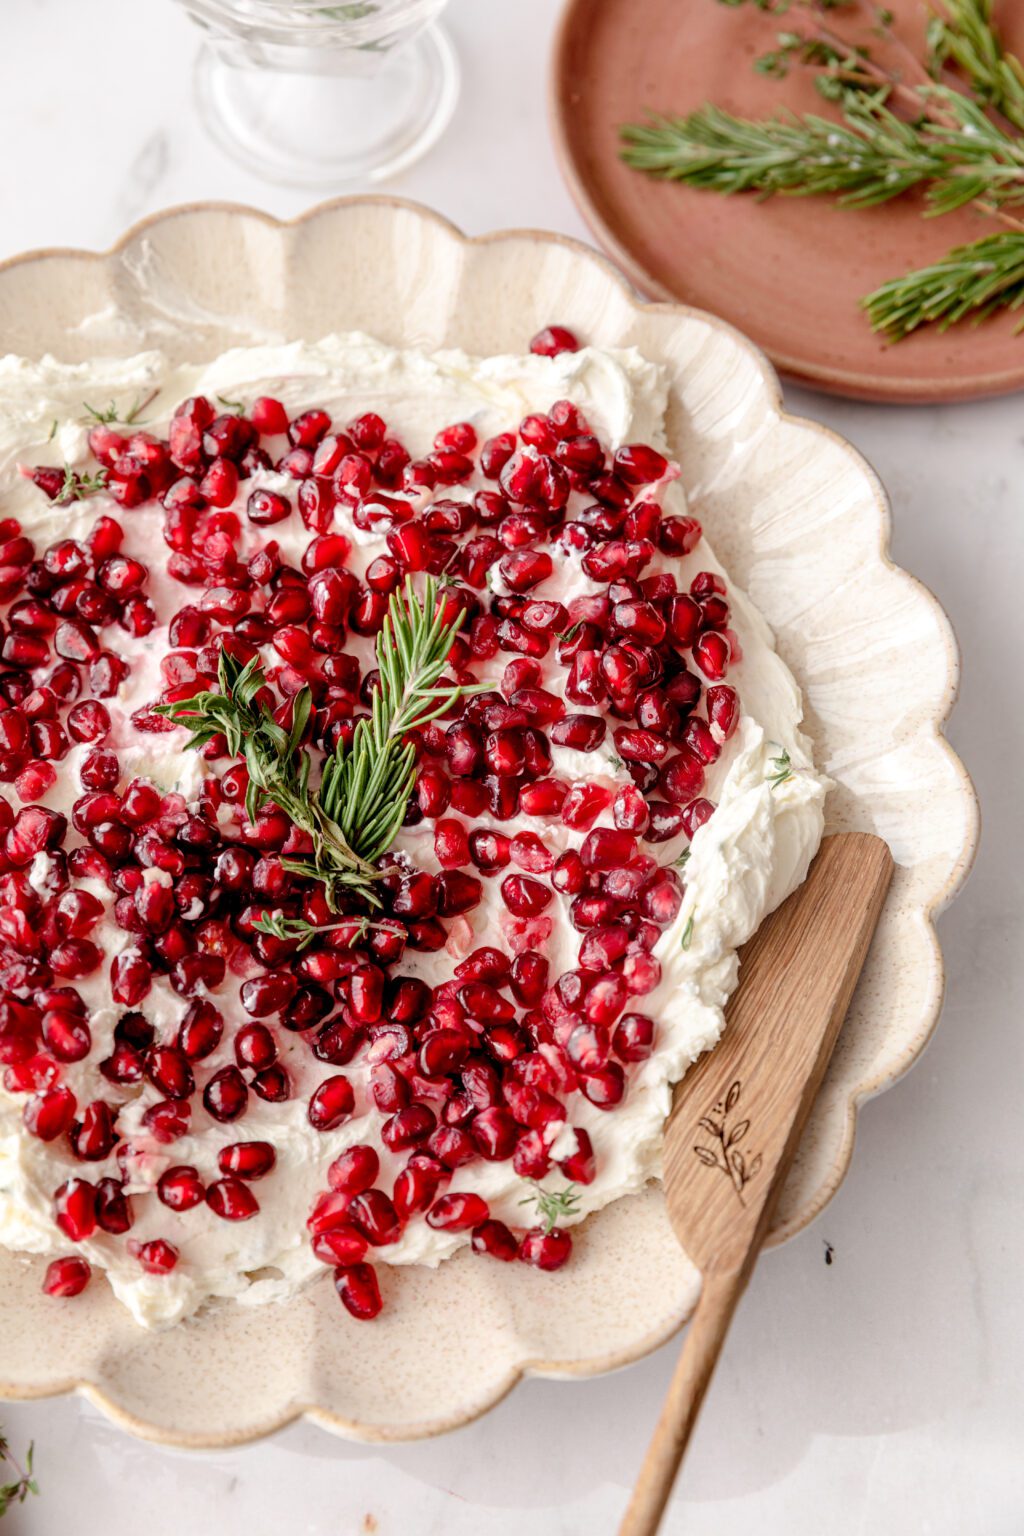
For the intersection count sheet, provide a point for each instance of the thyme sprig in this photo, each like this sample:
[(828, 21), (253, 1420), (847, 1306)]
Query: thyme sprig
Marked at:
[(553, 1205), (898, 131), (281, 926), (782, 769), (353, 816), (112, 415), (24, 1483), (76, 487)]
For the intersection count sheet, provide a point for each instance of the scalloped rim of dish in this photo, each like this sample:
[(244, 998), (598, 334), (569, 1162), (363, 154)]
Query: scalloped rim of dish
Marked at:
[(601, 1364)]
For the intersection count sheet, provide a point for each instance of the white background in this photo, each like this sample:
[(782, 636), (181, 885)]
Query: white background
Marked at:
[(882, 1395)]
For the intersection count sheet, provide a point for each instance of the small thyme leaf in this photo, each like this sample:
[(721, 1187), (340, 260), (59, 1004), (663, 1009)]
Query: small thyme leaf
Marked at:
[(567, 634), (684, 942), (616, 763), (231, 405), (77, 487), (54, 425), (783, 769), (684, 858), (552, 1204)]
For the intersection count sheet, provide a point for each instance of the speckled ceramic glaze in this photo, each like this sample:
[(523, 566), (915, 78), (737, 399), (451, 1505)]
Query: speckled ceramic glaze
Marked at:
[(802, 523)]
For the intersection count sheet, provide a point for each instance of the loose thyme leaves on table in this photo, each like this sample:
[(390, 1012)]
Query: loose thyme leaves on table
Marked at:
[(899, 132)]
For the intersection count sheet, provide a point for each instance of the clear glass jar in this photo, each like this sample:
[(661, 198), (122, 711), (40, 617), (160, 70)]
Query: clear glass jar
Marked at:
[(319, 95)]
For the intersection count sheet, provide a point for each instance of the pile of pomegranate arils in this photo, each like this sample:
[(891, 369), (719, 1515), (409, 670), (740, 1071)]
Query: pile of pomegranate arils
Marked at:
[(486, 1065)]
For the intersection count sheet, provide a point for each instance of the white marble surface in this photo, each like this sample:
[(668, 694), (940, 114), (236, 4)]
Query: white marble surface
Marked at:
[(881, 1395)]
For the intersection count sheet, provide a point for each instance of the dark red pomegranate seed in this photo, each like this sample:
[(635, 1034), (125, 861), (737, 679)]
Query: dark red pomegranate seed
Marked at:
[(331, 1103), (232, 1200), (357, 1286), (457, 1212), (553, 340), (181, 1188), (247, 1159), (67, 1277), (495, 1239), (545, 1250)]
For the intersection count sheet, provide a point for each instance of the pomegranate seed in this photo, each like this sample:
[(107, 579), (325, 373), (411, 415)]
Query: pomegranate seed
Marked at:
[(225, 1096), (156, 1257), (168, 1120), (67, 1277), (232, 1200), (74, 1209), (355, 1170), (580, 1166), (247, 1159), (376, 1217), (682, 777), (695, 815), (553, 340), (113, 1208), (331, 1103), (357, 1286), (524, 897), (268, 416), (50, 1114), (457, 1212), (545, 1250), (181, 1188), (495, 1239), (255, 1047)]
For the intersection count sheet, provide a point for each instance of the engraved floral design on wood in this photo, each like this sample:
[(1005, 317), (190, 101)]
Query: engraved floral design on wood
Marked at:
[(725, 1155)]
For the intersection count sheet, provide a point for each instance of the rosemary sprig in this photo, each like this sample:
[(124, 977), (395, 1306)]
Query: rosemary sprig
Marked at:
[(354, 815), (900, 131), (870, 158), (962, 34), (972, 281), (552, 1205), (76, 487), (24, 1483), (366, 786), (235, 406)]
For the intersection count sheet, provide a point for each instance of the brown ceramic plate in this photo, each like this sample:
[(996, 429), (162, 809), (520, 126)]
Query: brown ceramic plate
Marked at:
[(788, 272)]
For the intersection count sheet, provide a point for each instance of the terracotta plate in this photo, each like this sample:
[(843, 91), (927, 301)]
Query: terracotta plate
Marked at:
[(789, 272)]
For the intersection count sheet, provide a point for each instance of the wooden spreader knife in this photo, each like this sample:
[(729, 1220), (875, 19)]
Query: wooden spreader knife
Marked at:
[(738, 1115)]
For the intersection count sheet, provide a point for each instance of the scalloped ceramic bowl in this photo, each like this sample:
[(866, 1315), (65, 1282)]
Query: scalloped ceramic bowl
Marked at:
[(803, 525)]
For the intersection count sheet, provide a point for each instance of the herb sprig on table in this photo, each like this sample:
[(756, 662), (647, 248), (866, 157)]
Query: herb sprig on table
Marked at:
[(352, 817), (18, 1490), (900, 131)]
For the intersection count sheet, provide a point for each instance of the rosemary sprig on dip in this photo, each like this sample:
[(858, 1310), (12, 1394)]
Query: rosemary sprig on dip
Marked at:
[(353, 816)]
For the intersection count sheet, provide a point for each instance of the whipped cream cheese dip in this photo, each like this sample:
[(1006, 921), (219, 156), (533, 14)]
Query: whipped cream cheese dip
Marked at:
[(742, 862)]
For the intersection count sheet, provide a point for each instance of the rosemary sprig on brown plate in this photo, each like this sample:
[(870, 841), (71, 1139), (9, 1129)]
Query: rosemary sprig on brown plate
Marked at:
[(900, 131)]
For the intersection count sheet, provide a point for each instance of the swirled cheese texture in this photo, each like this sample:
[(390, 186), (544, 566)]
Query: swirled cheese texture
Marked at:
[(743, 862)]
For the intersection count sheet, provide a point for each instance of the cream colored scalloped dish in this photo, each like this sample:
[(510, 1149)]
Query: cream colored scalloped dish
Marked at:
[(801, 522)]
